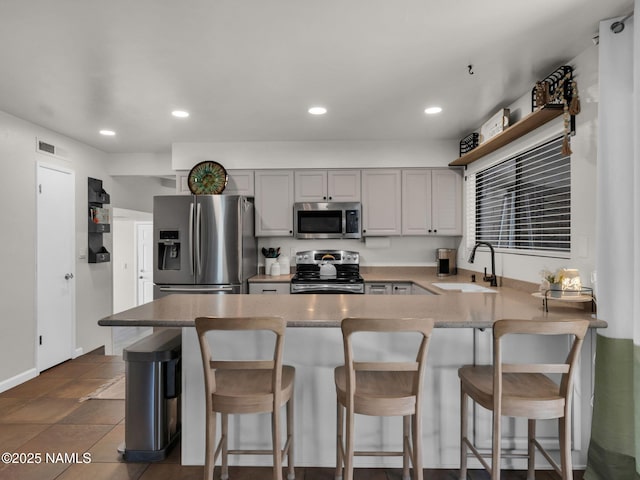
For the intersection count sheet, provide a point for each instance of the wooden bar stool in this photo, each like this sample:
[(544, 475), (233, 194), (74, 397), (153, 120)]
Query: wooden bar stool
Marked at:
[(522, 390), (381, 389), (247, 386)]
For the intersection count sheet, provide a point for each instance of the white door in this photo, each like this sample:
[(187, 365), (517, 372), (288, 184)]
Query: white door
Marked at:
[(55, 266), (144, 261)]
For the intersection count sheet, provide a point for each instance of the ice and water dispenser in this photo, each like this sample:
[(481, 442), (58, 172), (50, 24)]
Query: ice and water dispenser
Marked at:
[(169, 250)]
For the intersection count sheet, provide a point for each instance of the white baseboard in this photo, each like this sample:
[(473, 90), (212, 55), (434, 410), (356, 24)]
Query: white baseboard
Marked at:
[(78, 352), (18, 379)]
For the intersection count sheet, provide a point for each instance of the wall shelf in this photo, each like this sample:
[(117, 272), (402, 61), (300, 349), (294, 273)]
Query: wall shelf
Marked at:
[(515, 131), (97, 197)]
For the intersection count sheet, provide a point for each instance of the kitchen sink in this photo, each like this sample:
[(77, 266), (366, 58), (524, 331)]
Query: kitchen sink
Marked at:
[(465, 287)]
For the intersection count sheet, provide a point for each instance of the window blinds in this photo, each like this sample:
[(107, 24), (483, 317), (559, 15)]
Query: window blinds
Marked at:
[(524, 202)]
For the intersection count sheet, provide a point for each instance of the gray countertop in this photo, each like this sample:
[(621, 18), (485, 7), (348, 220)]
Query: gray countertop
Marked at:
[(449, 309)]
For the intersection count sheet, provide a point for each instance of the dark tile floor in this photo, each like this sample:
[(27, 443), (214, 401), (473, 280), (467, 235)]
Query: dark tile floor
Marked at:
[(45, 415)]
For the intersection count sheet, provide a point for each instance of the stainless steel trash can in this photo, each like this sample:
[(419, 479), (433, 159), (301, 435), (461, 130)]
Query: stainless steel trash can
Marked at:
[(152, 396)]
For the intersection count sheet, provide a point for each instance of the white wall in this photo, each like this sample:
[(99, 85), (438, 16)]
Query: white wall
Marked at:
[(18, 219), (338, 154), (137, 192), (583, 181)]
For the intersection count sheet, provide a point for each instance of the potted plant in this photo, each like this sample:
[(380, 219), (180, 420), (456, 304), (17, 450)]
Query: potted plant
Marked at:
[(552, 282)]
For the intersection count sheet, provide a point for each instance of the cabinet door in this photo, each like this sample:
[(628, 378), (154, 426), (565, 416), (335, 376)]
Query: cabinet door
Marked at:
[(447, 202), (417, 290), (343, 185), (381, 202), (274, 203), (416, 202), (377, 288), (401, 289), (311, 186), (240, 183)]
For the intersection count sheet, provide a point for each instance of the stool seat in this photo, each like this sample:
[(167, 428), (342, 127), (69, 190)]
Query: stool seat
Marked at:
[(380, 393), (531, 395), (250, 391)]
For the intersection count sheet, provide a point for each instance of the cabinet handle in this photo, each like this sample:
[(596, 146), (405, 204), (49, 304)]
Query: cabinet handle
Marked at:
[(429, 230), (290, 231), (324, 198), (435, 231), (269, 290), (330, 198)]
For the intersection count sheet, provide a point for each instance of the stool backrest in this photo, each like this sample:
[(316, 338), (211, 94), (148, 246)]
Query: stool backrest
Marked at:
[(501, 328), (423, 326), (277, 325)]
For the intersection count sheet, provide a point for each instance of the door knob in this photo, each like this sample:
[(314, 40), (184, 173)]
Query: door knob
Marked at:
[(68, 276)]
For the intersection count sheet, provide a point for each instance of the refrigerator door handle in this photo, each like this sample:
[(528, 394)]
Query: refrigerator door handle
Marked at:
[(198, 243), (191, 259)]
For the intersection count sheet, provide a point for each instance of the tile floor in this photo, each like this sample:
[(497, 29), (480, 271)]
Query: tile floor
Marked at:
[(45, 415)]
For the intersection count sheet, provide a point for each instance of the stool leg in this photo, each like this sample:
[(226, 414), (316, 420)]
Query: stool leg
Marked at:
[(210, 445), (464, 419), (417, 443), (531, 461), (277, 443), (564, 425), (224, 427), (348, 454), (406, 425), (339, 442), (292, 473), (495, 452)]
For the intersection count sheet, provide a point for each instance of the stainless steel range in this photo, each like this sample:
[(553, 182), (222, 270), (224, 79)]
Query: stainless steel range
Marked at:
[(327, 271)]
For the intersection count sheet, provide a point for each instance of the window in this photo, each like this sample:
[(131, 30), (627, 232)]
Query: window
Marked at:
[(523, 204)]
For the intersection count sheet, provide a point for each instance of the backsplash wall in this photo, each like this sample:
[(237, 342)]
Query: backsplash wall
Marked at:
[(374, 251)]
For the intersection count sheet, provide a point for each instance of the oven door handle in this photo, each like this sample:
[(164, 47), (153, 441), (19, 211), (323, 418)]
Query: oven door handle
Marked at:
[(326, 288)]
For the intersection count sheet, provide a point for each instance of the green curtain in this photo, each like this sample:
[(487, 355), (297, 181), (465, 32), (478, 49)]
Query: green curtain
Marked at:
[(613, 449)]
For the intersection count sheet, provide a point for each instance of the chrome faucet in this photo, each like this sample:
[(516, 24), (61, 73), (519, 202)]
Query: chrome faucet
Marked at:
[(493, 279)]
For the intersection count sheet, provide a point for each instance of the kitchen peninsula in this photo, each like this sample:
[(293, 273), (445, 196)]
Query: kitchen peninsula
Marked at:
[(460, 338)]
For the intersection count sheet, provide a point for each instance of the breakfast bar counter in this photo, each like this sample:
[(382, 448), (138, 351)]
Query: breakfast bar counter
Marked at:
[(462, 336)]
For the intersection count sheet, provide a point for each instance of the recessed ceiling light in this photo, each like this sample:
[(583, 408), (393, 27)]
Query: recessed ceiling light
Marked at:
[(432, 110), (107, 133), (317, 110), (180, 113)]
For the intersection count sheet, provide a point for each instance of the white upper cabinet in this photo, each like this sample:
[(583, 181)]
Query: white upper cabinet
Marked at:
[(446, 202), (431, 202), (381, 202), (240, 182), (327, 186), (274, 203)]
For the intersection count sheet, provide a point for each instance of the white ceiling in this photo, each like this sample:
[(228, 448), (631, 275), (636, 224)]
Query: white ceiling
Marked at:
[(249, 69)]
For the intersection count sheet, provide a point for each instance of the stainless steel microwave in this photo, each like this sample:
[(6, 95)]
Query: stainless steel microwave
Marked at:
[(327, 220)]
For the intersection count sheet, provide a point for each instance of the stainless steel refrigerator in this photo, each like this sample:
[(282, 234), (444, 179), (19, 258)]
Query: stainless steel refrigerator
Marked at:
[(203, 244)]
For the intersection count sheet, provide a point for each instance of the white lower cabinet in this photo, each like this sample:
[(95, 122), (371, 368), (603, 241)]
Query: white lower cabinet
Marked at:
[(417, 290), (397, 288), (275, 288)]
